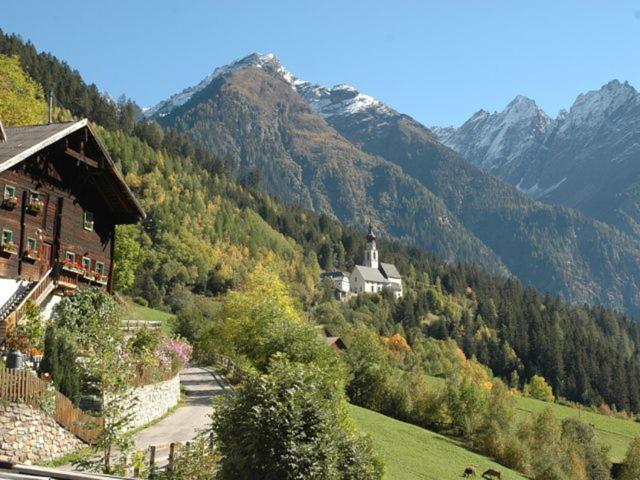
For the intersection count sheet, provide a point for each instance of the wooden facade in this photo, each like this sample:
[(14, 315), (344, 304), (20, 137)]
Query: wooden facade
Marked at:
[(61, 200)]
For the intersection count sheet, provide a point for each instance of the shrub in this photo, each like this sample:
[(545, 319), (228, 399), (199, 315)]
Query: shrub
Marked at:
[(174, 353), (631, 465), (290, 422), (141, 301), (580, 439), (539, 388), (59, 360)]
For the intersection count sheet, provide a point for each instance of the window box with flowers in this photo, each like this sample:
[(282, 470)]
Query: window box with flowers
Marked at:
[(35, 203), (10, 199), (101, 278), (72, 266), (10, 202), (87, 273), (31, 254), (9, 248), (89, 276)]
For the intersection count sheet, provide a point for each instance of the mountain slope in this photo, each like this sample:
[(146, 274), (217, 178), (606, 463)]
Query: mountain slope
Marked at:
[(257, 120), (255, 113), (586, 158), (554, 248)]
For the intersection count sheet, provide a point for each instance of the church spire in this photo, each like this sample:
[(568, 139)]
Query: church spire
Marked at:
[(371, 252)]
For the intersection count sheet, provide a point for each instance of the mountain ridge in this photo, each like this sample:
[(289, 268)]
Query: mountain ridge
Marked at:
[(339, 151), (584, 158)]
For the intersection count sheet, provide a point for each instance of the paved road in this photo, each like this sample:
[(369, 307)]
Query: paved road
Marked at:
[(200, 386)]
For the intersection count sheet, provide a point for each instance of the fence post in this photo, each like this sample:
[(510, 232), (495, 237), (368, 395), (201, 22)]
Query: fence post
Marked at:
[(172, 453), (152, 461)]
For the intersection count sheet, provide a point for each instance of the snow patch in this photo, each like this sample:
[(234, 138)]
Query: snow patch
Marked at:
[(535, 191)]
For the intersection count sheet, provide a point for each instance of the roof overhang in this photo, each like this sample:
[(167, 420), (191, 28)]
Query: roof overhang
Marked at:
[(136, 211)]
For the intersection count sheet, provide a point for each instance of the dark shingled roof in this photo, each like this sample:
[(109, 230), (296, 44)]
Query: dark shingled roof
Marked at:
[(390, 270), (23, 142)]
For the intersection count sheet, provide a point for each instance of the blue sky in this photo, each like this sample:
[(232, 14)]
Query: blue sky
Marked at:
[(437, 61)]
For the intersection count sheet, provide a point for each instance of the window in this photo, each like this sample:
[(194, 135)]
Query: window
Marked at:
[(70, 256), (9, 191), (32, 244), (7, 236), (34, 196), (86, 263), (88, 221), (100, 268)]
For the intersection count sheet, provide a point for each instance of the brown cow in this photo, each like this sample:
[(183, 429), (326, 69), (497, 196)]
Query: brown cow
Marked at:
[(469, 472), (491, 473)]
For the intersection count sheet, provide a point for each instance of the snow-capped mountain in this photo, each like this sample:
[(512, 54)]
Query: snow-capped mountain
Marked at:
[(342, 99), (268, 62), (587, 157), (498, 138)]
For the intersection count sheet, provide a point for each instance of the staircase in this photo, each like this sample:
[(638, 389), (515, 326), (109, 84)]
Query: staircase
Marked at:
[(13, 310)]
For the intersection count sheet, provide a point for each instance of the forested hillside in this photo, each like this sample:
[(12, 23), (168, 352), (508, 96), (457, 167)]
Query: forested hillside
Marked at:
[(204, 233)]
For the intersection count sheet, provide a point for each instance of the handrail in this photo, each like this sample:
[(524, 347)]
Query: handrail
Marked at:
[(11, 318), (37, 288)]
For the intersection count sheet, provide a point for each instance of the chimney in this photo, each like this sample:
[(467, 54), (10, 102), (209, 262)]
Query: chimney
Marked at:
[(3, 134)]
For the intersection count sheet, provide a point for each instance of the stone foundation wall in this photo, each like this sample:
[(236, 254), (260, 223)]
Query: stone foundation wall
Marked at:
[(154, 400), (28, 435)]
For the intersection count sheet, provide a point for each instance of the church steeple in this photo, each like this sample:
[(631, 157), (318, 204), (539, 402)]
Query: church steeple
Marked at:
[(371, 252)]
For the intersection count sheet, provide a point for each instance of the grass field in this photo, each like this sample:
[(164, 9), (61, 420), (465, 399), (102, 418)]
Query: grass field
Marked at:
[(614, 432), (138, 312), (413, 453)]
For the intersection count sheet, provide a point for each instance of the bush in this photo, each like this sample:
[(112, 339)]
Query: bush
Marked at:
[(631, 465), (141, 301), (59, 360), (539, 388), (290, 423)]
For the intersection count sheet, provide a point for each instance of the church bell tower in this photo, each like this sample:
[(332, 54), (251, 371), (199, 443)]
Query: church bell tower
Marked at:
[(371, 252)]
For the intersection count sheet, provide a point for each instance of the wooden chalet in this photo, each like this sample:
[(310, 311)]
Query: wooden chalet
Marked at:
[(62, 197)]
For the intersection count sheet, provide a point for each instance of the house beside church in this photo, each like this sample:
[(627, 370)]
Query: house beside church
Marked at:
[(341, 282), (373, 275)]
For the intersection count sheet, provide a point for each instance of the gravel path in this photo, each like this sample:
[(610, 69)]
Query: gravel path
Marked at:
[(200, 386)]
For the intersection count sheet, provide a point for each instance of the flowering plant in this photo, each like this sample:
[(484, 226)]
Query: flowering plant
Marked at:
[(72, 266), (31, 254), (101, 278), (35, 205), (10, 201), (174, 353), (8, 247)]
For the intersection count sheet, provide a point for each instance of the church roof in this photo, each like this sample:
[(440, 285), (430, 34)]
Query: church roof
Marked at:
[(389, 270), (370, 274)]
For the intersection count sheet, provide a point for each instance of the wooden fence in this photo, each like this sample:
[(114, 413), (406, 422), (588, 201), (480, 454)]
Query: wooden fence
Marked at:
[(22, 386)]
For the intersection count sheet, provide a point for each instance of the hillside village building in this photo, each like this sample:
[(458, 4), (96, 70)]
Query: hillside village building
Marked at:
[(373, 276), (62, 197)]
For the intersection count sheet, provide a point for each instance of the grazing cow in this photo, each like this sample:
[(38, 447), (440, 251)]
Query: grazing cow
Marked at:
[(469, 472), (491, 473)]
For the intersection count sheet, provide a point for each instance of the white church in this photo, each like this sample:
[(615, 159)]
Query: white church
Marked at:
[(370, 277)]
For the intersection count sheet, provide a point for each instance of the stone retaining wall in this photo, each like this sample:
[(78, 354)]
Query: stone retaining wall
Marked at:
[(154, 400), (28, 435)]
